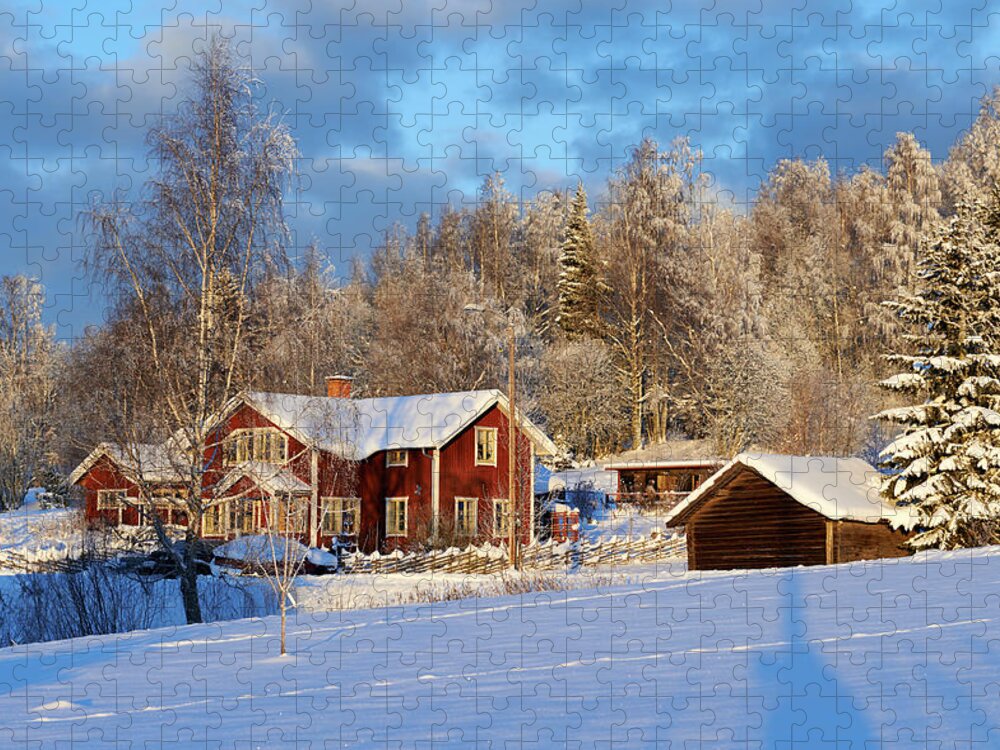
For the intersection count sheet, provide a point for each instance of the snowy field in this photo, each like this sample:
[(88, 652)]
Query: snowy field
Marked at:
[(625, 521), (901, 653), (32, 533)]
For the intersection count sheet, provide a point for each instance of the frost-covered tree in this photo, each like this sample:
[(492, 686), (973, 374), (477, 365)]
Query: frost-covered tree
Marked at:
[(914, 198), (973, 164), (650, 207), (492, 250), (585, 409), (307, 325), (946, 460), (27, 387), (581, 284), (541, 234)]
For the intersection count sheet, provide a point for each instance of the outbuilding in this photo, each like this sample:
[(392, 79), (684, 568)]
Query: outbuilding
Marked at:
[(764, 511), (660, 476)]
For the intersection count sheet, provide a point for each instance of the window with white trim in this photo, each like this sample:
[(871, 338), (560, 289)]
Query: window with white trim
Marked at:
[(167, 506), (465, 516), (397, 458), (340, 516), (501, 518), (213, 520), (486, 446), (263, 445), (395, 516), (240, 516), (289, 514), (112, 500)]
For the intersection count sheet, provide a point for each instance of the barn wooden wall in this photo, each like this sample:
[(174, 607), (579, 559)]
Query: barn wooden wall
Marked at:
[(854, 540), (750, 523)]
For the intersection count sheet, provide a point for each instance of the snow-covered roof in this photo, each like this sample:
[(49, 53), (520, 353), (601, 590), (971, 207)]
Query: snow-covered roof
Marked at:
[(842, 489), (261, 549), (268, 477), (146, 461), (359, 428), (665, 463), (355, 428), (668, 454), (594, 477)]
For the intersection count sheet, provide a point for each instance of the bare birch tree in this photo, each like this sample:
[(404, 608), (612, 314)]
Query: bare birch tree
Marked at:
[(185, 258)]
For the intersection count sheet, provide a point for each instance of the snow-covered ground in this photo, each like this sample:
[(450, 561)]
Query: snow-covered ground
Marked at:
[(897, 653), (32, 533), (626, 520), (365, 591)]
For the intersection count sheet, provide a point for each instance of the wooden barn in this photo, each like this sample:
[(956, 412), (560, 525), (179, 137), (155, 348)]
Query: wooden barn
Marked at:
[(766, 511)]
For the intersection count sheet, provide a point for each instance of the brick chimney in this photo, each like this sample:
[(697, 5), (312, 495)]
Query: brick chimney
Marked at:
[(339, 386)]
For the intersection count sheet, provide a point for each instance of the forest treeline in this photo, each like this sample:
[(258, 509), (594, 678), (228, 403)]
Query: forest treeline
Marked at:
[(649, 310)]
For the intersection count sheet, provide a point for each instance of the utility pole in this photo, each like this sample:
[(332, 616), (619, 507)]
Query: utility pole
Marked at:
[(512, 452)]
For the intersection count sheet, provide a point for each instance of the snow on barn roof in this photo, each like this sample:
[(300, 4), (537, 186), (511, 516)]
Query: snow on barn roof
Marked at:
[(360, 427), (842, 489)]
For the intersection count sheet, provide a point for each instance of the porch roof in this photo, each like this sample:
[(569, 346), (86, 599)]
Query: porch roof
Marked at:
[(274, 480)]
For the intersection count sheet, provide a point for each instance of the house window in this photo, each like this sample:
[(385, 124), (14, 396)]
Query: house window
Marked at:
[(395, 516), (501, 518), (397, 458), (111, 500), (170, 510), (465, 516), (265, 445), (213, 522), (340, 516), (486, 446), (241, 516), (289, 514)]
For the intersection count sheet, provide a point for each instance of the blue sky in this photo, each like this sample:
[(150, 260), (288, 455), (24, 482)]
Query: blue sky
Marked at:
[(402, 107)]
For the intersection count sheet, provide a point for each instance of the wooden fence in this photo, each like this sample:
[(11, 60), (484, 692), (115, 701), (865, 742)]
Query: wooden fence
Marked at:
[(540, 556)]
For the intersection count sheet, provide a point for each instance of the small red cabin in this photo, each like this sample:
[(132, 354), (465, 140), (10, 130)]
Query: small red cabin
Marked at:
[(378, 473)]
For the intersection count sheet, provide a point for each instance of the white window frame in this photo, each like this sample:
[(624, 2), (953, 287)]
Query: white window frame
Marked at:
[(337, 508), (167, 507), (501, 517), (474, 526), (404, 462), (222, 510), (244, 445), (251, 506), (117, 504), (493, 460), (301, 514), (389, 501)]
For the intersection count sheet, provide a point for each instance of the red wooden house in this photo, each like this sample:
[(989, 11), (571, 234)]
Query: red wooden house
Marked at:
[(383, 473)]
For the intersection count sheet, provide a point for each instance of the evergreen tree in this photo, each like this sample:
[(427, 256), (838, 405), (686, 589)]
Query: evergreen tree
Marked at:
[(581, 286), (946, 461)]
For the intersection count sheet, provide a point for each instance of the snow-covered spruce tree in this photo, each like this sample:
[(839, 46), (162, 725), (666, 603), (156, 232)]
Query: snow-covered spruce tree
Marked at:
[(581, 286), (946, 460)]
